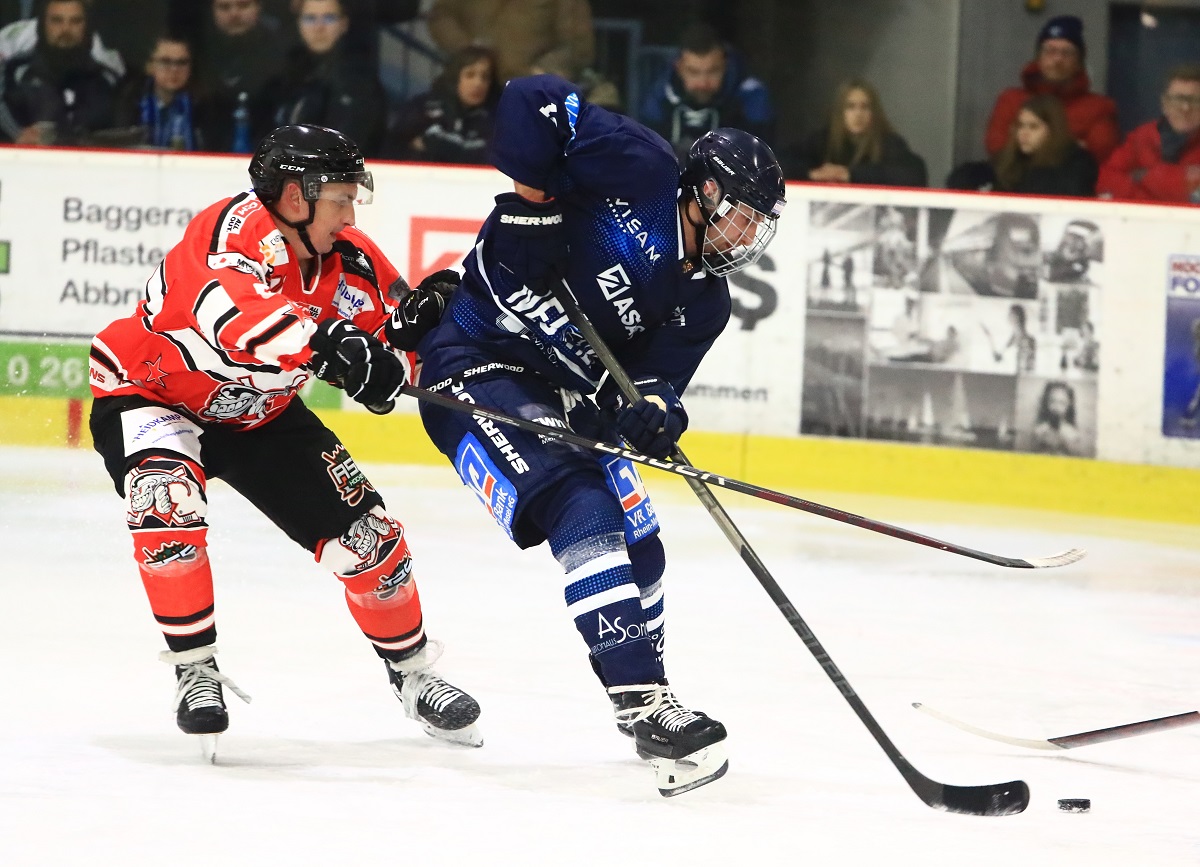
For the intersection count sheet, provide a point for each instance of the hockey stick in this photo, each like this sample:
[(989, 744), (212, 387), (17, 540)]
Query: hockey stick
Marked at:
[(693, 473), (1001, 799), (1069, 742)]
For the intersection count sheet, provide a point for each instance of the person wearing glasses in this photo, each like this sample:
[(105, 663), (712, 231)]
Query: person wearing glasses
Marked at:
[(1057, 69), (325, 83), (163, 103), (1160, 160)]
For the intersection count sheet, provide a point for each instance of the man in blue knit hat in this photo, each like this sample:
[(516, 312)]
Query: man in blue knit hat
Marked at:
[(1057, 69)]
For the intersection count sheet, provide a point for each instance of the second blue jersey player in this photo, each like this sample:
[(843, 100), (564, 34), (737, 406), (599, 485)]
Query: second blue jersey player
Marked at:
[(600, 202)]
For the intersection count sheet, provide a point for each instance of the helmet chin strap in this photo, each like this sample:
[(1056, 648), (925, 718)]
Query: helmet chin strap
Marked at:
[(301, 226), (700, 228)]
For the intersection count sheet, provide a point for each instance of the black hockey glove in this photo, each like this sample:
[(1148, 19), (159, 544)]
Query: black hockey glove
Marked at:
[(528, 237), (420, 310), (354, 360), (653, 424)]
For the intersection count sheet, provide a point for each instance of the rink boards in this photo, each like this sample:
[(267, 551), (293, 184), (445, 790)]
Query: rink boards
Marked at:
[(872, 349)]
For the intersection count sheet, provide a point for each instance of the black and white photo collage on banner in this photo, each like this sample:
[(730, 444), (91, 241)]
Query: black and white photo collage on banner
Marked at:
[(953, 326)]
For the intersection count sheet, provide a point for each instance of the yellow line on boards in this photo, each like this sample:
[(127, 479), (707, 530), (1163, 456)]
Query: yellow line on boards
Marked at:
[(794, 465)]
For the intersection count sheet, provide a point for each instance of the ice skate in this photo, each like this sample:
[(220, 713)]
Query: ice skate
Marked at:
[(443, 710), (686, 748), (199, 700)]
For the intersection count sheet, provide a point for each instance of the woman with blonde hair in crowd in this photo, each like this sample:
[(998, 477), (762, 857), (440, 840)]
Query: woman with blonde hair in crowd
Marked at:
[(1040, 157), (857, 146)]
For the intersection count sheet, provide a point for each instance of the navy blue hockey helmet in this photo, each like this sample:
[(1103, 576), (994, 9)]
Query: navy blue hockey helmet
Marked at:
[(311, 155), (749, 181)]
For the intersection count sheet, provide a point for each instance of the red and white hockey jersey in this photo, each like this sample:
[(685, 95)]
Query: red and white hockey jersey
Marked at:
[(224, 328)]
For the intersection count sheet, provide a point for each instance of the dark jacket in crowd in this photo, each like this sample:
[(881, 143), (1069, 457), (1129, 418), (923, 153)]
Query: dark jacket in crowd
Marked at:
[(335, 90), (898, 166), (742, 102), (1074, 176), (451, 132), (229, 66), (67, 87)]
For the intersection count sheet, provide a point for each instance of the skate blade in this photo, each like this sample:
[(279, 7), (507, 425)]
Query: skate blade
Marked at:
[(691, 772), (468, 736), (208, 748)]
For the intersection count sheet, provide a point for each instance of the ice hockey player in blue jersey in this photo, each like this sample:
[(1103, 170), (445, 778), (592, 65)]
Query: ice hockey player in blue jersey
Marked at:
[(600, 202)]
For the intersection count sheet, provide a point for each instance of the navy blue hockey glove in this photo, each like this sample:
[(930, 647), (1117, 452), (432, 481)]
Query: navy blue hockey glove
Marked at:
[(420, 309), (350, 358), (528, 237), (653, 424)]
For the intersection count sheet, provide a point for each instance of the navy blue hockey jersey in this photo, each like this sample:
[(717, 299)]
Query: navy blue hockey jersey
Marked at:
[(618, 183)]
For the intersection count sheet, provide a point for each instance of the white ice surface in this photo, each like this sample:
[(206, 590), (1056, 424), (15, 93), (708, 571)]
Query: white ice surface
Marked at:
[(322, 767)]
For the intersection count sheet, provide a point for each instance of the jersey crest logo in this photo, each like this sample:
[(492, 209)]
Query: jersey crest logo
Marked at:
[(235, 401)]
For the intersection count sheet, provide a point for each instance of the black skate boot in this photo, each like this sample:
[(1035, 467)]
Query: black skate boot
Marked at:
[(685, 747), (199, 701), (443, 710)]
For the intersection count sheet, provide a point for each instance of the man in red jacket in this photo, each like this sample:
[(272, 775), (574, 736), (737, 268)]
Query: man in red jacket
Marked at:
[(1058, 70), (1160, 160)]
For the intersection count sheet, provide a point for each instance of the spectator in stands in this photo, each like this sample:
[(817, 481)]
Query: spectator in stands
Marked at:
[(1160, 160), (1058, 70), (857, 146), (20, 36), (239, 54), (705, 89), (327, 85), (1040, 157), (453, 122), (56, 92), (162, 103), (547, 36)]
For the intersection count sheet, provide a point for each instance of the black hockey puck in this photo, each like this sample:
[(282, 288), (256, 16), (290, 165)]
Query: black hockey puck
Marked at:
[(1075, 805)]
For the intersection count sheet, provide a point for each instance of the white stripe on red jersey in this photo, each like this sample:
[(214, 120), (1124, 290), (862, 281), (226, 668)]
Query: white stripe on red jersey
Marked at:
[(224, 326)]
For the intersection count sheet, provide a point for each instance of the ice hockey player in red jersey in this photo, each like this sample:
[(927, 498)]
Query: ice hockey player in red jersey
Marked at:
[(201, 382)]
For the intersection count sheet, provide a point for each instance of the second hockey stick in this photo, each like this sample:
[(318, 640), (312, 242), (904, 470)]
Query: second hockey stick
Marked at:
[(693, 473), (1070, 742), (1000, 799)]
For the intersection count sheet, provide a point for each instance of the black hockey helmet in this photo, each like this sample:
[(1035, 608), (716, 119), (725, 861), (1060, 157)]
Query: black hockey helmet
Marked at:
[(749, 180), (311, 155)]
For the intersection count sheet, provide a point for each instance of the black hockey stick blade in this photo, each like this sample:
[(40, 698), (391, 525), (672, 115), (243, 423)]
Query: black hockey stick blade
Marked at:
[(695, 474), (1070, 742), (1000, 799)]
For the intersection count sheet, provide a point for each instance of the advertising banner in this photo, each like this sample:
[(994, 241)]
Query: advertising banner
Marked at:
[(970, 320), (953, 326), (1181, 367)]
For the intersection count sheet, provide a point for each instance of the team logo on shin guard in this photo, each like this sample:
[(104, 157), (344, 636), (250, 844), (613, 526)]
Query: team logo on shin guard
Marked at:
[(171, 496), (400, 576), (371, 538), (168, 552), (349, 480)]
